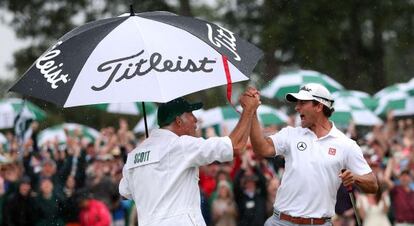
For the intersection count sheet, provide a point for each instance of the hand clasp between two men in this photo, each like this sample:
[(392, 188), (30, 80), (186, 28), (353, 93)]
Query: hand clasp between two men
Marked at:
[(250, 99)]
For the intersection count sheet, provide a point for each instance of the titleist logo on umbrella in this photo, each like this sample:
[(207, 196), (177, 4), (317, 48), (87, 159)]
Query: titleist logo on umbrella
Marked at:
[(225, 38), (50, 69), (131, 66)]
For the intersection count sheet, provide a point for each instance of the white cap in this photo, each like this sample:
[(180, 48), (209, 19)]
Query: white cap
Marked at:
[(312, 91)]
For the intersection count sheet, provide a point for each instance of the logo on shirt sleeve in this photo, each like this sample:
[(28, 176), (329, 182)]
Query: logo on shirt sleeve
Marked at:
[(332, 151), (301, 146)]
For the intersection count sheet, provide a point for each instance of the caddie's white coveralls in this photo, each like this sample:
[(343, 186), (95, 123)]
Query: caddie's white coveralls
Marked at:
[(161, 176)]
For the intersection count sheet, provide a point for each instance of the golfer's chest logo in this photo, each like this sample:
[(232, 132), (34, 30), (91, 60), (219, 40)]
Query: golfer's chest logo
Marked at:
[(301, 146)]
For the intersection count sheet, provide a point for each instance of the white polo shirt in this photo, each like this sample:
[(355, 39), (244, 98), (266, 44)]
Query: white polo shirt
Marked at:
[(161, 176), (312, 167)]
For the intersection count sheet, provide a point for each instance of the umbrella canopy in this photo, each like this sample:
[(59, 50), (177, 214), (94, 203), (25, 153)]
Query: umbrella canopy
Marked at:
[(271, 116), (151, 122), (228, 117), (356, 98), (151, 57), (3, 142), (389, 90), (73, 129), (133, 108), (3, 139), (292, 81), (224, 115), (345, 113), (11, 107), (400, 102)]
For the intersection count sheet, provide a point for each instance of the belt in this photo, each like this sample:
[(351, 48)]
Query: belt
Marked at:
[(301, 220)]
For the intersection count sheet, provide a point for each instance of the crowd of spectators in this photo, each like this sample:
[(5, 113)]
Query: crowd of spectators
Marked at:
[(77, 184)]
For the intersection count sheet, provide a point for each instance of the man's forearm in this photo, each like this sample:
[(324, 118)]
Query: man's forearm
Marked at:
[(241, 132), (260, 145), (368, 183)]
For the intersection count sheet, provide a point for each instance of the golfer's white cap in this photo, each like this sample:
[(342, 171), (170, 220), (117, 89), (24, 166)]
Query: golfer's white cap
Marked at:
[(312, 91)]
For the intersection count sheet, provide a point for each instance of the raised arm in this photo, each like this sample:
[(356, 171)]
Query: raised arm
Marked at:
[(240, 133), (261, 145)]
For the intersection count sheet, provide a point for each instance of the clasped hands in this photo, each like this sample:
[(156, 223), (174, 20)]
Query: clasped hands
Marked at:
[(250, 99)]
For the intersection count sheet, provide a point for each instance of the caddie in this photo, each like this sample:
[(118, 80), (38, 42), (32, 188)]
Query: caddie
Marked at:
[(161, 174)]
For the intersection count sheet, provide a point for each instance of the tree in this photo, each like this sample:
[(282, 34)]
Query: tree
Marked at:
[(359, 43)]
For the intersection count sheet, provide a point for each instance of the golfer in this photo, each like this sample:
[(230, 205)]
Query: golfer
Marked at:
[(161, 174), (315, 154)]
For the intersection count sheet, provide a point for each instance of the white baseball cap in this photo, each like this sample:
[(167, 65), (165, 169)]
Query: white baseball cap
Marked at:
[(312, 91)]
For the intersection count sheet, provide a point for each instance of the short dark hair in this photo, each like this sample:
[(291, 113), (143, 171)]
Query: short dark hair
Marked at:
[(405, 171), (326, 111)]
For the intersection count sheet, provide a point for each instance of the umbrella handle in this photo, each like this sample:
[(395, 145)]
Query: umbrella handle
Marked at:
[(131, 9)]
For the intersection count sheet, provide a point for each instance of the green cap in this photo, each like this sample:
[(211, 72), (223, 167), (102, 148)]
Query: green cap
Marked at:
[(168, 111)]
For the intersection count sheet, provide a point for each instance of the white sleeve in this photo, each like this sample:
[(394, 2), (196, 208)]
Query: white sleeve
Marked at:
[(355, 160), (200, 151), (280, 141), (123, 185)]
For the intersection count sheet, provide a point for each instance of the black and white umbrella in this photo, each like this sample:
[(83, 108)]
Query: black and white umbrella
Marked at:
[(151, 57)]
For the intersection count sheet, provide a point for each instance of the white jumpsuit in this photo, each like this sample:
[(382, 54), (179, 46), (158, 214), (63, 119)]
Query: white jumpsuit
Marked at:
[(161, 176)]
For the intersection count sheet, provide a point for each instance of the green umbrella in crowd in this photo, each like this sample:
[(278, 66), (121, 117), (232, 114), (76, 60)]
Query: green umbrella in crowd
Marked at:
[(271, 116), (228, 117), (398, 98), (356, 98), (11, 107), (60, 132), (389, 90), (292, 81), (223, 115), (151, 122), (131, 108), (346, 113), (3, 141), (401, 103)]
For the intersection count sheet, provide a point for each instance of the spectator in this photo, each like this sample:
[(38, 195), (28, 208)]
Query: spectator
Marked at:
[(223, 207), (250, 193), (373, 208), (48, 205), (272, 186), (19, 206), (402, 198), (93, 212), (70, 212)]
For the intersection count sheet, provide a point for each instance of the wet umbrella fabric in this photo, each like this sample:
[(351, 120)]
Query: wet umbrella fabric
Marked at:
[(59, 133), (151, 57), (3, 139), (132, 108), (401, 103), (11, 107), (356, 98), (228, 117), (346, 113), (291, 81)]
